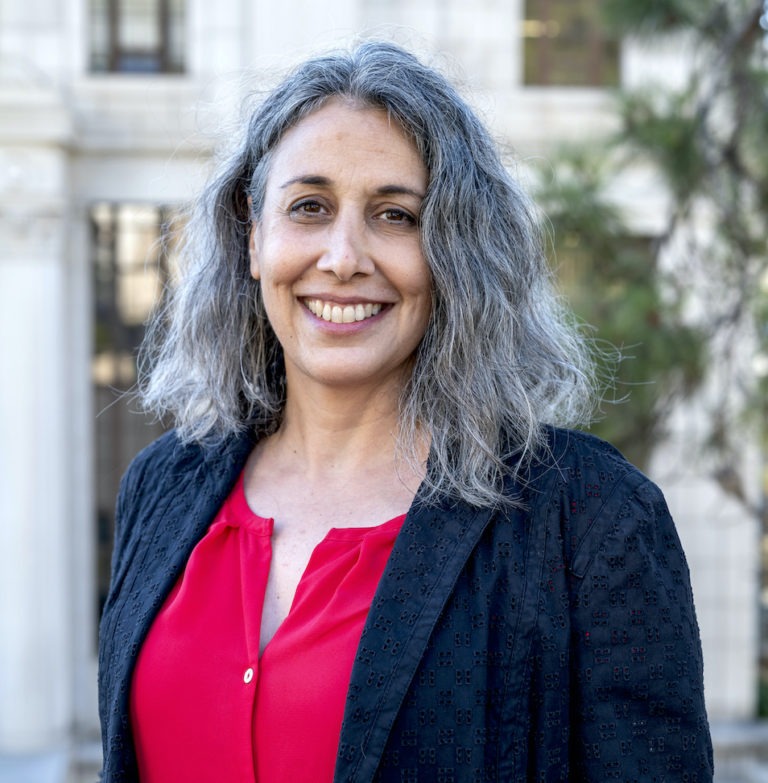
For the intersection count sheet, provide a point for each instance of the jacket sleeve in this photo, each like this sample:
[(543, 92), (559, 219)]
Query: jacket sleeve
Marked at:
[(130, 488), (637, 702), (114, 652), (112, 715)]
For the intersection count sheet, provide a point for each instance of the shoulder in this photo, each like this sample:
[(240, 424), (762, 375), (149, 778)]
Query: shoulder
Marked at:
[(583, 467), (159, 455), (591, 493), (169, 469), (168, 458), (572, 449)]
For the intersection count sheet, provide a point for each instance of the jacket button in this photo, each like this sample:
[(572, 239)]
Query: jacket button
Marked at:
[(248, 676)]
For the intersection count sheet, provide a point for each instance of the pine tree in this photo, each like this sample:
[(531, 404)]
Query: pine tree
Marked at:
[(696, 296)]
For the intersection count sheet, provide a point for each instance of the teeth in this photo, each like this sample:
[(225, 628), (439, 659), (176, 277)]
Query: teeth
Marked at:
[(338, 314)]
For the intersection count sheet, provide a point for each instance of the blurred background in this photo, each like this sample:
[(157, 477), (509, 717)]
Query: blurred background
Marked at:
[(641, 128)]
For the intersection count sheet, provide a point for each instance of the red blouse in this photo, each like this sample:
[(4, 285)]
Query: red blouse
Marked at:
[(204, 705)]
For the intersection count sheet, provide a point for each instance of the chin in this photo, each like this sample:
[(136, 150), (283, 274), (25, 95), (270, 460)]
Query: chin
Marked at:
[(351, 376)]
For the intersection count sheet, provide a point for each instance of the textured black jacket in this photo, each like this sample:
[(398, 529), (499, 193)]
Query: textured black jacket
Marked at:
[(554, 643)]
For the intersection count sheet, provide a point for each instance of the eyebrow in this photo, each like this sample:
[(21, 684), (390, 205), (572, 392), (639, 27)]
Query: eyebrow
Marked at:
[(325, 182)]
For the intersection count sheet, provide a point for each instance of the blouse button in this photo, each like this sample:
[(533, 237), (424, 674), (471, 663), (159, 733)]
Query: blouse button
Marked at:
[(248, 676)]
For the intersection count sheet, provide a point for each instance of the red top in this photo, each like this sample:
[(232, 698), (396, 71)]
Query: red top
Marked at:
[(204, 706)]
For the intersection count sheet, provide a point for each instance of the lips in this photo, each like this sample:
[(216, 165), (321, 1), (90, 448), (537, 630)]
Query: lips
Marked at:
[(342, 314)]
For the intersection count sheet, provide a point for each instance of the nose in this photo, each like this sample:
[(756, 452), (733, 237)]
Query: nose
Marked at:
[(346, 253)]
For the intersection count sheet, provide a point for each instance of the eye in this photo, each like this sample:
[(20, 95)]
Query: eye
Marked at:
[(397, 217), (307, 208)]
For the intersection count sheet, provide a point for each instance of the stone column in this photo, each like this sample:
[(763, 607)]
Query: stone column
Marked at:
[(36, 528)]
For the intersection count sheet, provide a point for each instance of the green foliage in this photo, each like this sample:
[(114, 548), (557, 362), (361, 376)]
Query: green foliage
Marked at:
[(663, 127), (756, 409), (612, 282), (645, 18), (708, 144), (648, 19)]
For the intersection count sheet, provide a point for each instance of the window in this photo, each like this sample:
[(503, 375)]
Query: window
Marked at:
[(137, 36), (566, 45), (133, 255)]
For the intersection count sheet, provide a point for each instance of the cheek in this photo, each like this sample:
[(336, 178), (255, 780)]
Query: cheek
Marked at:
[(275, 300), (414, 277), (281, 255), (420, 283), (421, 299), (426, 302), (279, 319)]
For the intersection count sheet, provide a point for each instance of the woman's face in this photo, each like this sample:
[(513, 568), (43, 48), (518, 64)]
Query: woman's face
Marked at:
[(337, 249)]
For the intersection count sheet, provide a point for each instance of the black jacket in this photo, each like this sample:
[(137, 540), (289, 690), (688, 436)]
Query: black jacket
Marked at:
[(554, 643)]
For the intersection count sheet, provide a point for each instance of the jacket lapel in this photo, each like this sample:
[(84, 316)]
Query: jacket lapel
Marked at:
[(429, 554)]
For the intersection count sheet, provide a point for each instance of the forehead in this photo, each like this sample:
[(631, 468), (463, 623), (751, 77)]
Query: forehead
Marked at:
[(344, 138)]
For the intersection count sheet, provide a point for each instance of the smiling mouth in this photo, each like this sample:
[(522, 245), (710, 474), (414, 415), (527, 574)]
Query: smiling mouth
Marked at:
[(342, 314)]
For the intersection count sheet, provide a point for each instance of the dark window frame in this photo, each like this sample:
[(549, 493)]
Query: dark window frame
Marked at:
[(157, 60), (121, 429), (602, 59)]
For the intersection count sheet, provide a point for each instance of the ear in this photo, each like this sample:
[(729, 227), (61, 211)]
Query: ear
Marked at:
[(255, 271), (252, 254)]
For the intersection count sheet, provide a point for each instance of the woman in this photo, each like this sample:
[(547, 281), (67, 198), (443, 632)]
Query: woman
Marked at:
[(365, 552)]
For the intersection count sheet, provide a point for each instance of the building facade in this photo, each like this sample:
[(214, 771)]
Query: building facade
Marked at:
[(110, 111)]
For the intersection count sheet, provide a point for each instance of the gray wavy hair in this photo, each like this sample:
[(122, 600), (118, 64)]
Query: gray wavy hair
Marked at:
[(501, 356)]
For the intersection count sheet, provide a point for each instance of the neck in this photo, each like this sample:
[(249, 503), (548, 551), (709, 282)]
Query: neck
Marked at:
[(336, 454), (340, 431)]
